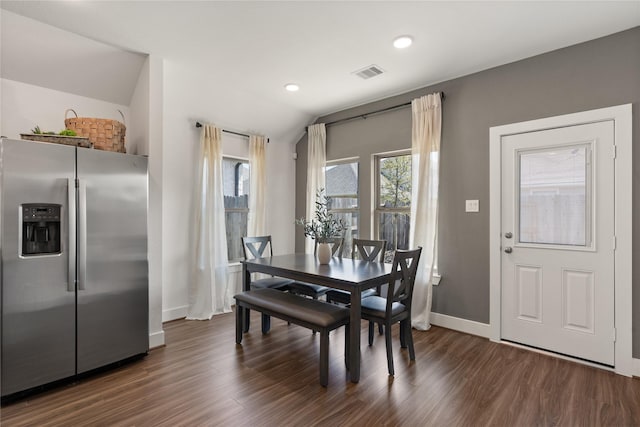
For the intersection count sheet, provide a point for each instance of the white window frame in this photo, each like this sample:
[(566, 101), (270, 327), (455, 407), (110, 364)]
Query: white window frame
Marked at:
[(240, 160), (355, 210), (376, 194), (375, 204), (357, 195)]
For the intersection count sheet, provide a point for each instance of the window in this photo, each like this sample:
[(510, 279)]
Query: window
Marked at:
[(341, 180), (235, 181), (393, 200), (555, 196)]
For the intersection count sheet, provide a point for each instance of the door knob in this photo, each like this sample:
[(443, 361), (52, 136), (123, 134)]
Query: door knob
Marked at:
[(508, 249), (508, 234)]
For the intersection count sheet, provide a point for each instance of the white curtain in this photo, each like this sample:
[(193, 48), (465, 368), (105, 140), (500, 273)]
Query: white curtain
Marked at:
[(425, 153), (210, 292), (257, 185), (316, 160)]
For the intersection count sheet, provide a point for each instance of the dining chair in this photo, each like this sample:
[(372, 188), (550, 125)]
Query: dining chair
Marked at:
[(396, 307), (365, 250), (309, 289), (257, 247), (336, 246)]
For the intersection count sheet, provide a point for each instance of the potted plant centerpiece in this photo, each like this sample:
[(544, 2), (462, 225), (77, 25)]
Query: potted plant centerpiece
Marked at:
[(323, 227)]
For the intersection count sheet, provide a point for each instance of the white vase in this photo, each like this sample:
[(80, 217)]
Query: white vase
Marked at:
[(324, 253)]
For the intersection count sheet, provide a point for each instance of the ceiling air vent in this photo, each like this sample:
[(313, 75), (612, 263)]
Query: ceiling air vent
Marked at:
[(368, 72)]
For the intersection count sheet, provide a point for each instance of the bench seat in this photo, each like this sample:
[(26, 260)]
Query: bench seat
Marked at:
[(309, 313)]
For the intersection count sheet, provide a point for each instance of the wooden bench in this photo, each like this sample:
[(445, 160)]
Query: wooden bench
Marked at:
[(313, 314)]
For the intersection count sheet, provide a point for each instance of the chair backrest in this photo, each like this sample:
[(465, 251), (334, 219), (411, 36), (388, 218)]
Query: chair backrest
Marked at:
[(334, 242), (256, 246), (403, 277), (368, 250)]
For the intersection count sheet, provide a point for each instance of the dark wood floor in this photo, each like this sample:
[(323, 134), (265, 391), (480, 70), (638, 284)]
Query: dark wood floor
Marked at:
[(201, 378)]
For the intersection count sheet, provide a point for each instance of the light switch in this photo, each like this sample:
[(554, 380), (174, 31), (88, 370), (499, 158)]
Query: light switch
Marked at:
[(472, 206)]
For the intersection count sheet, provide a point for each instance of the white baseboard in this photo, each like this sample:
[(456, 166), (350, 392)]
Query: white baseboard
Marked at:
[(156, 339), (483, 330), (462, 325), (174, 313)]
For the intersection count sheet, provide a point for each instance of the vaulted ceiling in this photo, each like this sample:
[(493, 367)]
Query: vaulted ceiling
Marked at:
[(253, 48)]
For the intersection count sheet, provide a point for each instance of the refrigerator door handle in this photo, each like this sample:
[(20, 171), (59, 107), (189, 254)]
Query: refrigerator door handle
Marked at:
[(71, 214), (82, 238)]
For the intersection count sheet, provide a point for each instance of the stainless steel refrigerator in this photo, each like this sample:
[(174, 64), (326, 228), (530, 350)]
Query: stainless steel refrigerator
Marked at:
[(73, 269)]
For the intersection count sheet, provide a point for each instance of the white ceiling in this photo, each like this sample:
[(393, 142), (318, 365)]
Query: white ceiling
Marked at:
[(47, 56), (254, 47)]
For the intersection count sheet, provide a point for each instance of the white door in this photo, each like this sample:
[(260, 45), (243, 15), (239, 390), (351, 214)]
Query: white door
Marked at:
[(557, 238)]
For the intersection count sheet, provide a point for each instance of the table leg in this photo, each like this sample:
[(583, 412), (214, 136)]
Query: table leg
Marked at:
[(354, 331), (246, 285)]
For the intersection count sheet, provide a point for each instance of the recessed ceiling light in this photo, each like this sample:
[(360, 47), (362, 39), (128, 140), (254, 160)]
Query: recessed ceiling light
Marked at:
[(292, 87), (402, 42)]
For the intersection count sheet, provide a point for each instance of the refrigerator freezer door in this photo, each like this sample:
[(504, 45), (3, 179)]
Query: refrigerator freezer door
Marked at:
[(112, 258), (38, 291)]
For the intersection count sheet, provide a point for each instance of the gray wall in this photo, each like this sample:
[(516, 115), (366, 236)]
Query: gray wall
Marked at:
[(596, 74)]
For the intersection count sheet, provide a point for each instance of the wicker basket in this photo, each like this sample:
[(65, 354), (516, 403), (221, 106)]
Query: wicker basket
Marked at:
[(105, 134), (76, 141)]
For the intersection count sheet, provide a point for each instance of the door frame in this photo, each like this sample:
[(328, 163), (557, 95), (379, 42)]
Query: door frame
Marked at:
[(623, 176)]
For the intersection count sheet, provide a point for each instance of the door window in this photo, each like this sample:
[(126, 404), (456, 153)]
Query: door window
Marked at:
[(555, 195)]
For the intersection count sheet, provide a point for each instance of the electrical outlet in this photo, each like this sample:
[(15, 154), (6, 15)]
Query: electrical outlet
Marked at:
[(472, 206)]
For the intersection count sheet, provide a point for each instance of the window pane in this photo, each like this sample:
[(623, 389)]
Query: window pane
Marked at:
[(351, 221), (236, 226), (338, 202), (394, 189), (342, 185), (235, 177), (394, 228), (554, 202), (341, 182)]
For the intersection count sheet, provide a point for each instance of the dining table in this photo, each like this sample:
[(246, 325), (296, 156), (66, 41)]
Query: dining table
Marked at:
[(351, 275)]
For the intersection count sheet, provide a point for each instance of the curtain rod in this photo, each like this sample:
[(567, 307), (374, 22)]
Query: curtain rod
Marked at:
[(365, 115), (199, 125)]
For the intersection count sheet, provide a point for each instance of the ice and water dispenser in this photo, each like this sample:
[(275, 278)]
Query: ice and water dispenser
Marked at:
[(40, 229)]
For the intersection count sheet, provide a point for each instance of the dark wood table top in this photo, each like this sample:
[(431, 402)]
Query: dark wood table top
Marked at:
[(343, 273)]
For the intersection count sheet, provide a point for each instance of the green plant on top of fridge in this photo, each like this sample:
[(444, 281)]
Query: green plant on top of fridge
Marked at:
[(66, 132)]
